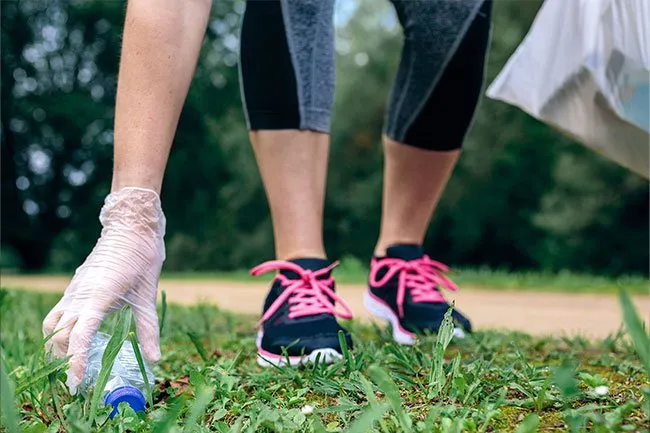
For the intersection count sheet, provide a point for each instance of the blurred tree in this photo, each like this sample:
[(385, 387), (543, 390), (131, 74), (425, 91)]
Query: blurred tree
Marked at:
[(58, 79), (595, 216), (523, 196), (368, 48)]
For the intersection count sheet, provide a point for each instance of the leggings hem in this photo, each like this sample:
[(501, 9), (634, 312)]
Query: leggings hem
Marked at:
[(318, 120)]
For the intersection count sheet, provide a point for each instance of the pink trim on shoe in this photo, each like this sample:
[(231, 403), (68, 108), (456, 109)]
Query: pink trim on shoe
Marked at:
[(275, 356), (421, 277), (266, 358), (394, 321)]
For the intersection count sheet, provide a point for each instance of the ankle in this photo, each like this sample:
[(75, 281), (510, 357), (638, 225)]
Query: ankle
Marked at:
[(380, 250), (384, 244), (301, 253)]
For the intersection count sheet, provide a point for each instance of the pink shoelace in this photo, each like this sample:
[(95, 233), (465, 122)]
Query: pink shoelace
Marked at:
[(421, 277), (308, 295)]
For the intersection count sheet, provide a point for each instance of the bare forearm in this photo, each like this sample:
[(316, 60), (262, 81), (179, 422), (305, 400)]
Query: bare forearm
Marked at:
[(162, 40)]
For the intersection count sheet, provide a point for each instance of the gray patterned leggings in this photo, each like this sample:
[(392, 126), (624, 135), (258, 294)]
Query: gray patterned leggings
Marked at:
[(287, 69)]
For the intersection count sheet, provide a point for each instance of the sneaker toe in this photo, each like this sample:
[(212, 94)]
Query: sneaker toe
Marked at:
[(461, 321), (429, 319), (306, 344)]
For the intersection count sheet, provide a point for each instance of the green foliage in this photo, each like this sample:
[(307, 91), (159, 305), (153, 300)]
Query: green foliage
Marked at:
[(41, 374), (388, 387), (353, 271), (113, 347), (523, 196), (636, 329), (8, 413), (529, 424), (492, 382), (138, 355), (565, 380), (443, 339)]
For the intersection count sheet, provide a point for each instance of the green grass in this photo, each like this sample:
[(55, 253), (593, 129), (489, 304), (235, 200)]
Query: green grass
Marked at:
[(565, 282), (353, 271), (208, 380)]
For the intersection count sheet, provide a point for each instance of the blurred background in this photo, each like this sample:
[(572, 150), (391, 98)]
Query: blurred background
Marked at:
[(522, 198)]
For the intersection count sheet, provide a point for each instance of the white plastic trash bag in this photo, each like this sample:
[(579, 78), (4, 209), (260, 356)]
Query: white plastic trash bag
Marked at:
[(584, 68)]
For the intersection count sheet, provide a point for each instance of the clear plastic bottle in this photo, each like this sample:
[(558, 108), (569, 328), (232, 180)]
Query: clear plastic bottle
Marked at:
[(125, 383)]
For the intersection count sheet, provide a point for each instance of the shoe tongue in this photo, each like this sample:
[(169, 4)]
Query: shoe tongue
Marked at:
[(307, 263), (405, 251)]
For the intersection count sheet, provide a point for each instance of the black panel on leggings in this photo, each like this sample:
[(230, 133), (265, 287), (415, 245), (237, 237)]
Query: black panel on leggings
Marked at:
[(447, 114), (267, 74)]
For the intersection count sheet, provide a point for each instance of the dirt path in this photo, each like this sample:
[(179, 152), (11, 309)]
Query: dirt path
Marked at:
[(590, 315)]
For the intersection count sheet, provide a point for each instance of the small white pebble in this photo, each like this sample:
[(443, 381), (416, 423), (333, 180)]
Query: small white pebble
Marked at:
[(601, 390), (307, 409)]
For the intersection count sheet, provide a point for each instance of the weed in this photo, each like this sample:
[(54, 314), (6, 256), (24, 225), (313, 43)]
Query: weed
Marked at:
[(490, 381)]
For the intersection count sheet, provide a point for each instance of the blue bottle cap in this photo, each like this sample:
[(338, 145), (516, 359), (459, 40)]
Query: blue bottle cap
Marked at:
[(130, 394)]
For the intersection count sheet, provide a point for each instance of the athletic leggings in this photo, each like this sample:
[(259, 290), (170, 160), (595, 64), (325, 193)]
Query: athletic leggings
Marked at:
[(287, 69)]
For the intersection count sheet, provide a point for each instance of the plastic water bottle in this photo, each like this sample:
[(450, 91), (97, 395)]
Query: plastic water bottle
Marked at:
[(125, 383)]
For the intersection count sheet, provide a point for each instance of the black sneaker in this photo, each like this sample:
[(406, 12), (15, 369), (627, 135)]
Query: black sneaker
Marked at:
[(299, 324), (404, 290)]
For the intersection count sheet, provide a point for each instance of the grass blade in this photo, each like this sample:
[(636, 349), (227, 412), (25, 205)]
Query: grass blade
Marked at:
[(8, 414), (564, 378), (371, 414), (388, 387), (42, 374), (198, 407), (635, 329), (237, 361), (199, 346), (237, 426), (163, 311), (143, 371), (368, 390), (165, 424), (432, 418), (372, 398), (120, 333), (646, 403), (317, 426), (444, 337), (529, 424), (346, 351), (55, 401)]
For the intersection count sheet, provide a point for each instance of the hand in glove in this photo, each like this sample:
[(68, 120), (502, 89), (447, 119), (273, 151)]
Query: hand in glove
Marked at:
[(122, 269)]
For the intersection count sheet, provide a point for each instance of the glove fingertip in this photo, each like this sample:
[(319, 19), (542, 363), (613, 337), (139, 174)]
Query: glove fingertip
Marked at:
[(148, 335), (73, 381), (50, 322), (151, 352)]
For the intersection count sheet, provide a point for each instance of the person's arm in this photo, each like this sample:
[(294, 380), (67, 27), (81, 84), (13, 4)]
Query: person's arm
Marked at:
[(162, 40)]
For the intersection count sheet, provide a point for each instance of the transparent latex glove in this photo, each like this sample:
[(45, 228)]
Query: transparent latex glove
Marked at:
[(122, 269)]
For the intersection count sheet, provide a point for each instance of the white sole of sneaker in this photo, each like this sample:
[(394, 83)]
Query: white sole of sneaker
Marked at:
[(381, 310), (268, 359)]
